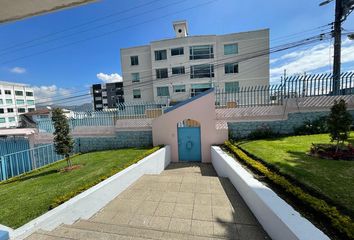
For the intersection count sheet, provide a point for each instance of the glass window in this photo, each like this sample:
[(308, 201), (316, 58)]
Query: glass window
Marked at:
[(134, 60), (0, 91), (2, 110), (231, 87), (161, 73), (179, 88), (178, 70), (12, 119), (18, 93), (21, 110), (163, 92), (202, 71), (135, 77), (230, 49), (10, 110), (201, 52), (160, 55), (177, 51), (29, 94), (20, 101), (2, 120), (30, 102), (8, 92), (31, 109), (136, 93), (8, 101), (1, 101), (231, 68)]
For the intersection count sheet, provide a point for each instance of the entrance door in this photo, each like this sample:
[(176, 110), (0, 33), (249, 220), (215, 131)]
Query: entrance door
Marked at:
[(189, 147)]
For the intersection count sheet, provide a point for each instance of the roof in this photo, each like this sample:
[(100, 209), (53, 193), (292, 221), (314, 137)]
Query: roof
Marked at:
[(13, 83), (17, 131), (37, 112)]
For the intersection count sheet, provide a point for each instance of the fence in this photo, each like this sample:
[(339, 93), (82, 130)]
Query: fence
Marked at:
[(13, 144), (290, 87), (24, 161)]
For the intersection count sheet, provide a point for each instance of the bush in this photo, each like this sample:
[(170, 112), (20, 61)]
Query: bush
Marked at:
[(342, 223), (263, 132), (316, 126)]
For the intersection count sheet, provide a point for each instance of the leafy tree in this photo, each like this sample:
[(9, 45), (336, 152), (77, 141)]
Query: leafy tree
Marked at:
[(63, 142), (339, 122)]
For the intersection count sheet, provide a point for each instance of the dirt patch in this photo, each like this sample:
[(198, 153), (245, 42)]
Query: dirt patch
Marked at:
[(69, 169)]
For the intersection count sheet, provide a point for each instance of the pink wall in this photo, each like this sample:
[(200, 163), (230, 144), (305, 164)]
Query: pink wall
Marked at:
[(164, 128)]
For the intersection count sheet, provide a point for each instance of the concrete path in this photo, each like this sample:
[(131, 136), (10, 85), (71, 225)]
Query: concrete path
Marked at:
[(186, 201)]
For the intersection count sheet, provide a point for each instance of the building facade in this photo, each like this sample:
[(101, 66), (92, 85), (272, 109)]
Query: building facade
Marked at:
[(181, 67), (107, 95), (15, 99)]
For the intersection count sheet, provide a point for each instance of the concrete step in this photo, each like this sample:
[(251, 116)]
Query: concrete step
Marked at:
[(41, 235)]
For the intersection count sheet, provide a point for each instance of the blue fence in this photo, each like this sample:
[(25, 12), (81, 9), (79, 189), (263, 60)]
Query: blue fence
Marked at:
[(13, 144), (24, 161)]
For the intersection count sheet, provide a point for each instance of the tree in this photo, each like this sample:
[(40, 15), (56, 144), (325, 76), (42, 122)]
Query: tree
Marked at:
[(63, 142), (339, 122)]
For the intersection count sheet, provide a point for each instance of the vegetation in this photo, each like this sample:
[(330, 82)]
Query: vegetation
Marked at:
[(33, 194), (263, 132), (309, 127), (339, 122), (341, 223), (63, 142)]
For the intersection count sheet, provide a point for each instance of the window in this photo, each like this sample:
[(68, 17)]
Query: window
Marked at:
[(18, 93), (231, 87), (12, 119), (8, 92), (160, 55), (0, 91), (202, 71), (177, 51), (163, 92), (2, 120), (20, 101), (30, 102), (10, 110), (231, 68), (201, 52), (21, 110), (1, 101), (29, 94), (1, 110), (179, 88), (135, 77), (230, 49), (8, 101), (136, 93), (161, 73), (134, 60), (31, 109), (178, 70)]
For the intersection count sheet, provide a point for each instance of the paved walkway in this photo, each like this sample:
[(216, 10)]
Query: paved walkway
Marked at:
[(186, 201)]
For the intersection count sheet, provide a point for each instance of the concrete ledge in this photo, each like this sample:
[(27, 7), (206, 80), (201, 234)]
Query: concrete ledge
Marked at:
[(277, 217), (86, 204)]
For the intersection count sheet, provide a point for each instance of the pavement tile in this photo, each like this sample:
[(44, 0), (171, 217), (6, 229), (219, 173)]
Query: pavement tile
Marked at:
[(185, 198), (202, 213), (140, 221), (223, 214), (220, 200), (202, 199), (180, 225), (165, 209), (147, 208), (247, 232), (169, 197), (202, 227), (161, 223), (226, 230), (183, 211), (245, 216)]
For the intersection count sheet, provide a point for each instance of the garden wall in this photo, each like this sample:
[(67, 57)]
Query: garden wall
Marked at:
[(239, 130)]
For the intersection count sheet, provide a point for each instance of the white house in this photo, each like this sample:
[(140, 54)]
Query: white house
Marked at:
[(183, 66), (15, 99)]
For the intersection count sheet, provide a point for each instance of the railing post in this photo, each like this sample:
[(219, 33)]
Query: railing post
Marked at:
[(3, 168)]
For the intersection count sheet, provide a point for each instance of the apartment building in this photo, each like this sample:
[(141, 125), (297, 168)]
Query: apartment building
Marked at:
[(107, 95), (181, 67), (15, 99)]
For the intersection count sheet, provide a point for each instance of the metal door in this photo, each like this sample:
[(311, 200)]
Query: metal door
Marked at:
[(189, 147)]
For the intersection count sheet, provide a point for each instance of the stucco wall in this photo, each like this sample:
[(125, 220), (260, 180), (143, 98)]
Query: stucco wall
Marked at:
[(164, 128)]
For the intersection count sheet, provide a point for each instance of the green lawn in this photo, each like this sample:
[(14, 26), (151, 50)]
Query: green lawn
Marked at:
[(31, 195), (334, 179)]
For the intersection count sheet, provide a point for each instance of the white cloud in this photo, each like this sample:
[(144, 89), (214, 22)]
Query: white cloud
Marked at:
[(309, 60), (108, 78), (47, 95), (18, 70)]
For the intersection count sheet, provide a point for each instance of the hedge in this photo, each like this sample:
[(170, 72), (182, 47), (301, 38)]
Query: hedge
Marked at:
[(342, 223)]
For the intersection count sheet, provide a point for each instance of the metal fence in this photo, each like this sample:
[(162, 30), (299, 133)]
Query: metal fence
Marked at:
[(17, 163), (13, 144), (290, 87)]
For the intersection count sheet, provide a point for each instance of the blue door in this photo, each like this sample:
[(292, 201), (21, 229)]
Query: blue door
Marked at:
[(189, 149)]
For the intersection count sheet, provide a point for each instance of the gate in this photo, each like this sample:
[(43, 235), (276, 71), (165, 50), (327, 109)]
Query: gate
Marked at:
[(189, 146)]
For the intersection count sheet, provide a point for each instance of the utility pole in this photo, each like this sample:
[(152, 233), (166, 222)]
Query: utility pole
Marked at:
[(337, 34)]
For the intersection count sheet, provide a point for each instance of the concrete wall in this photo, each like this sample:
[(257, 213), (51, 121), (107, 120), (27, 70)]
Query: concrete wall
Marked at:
[(202, 109)]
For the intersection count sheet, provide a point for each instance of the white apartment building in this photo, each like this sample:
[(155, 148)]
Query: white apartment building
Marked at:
[(183, 66), (15, 99)]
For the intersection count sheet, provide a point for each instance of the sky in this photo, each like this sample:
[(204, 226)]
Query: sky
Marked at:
[(63, 53)]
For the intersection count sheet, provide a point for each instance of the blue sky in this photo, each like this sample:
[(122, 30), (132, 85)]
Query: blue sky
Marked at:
[(72, 68)]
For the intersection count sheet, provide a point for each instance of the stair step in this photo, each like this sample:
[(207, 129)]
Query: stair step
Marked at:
[(45, 236)]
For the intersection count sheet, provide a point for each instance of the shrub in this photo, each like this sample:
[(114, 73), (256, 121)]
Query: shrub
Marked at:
[(262, 132), (316, 126), (342, 223)]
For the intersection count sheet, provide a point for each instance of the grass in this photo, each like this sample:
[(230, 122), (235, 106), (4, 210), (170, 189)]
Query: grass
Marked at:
[(31, 195), (332, 178)]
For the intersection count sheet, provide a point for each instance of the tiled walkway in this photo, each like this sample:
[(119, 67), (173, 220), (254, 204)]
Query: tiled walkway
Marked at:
[(186, 201)]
